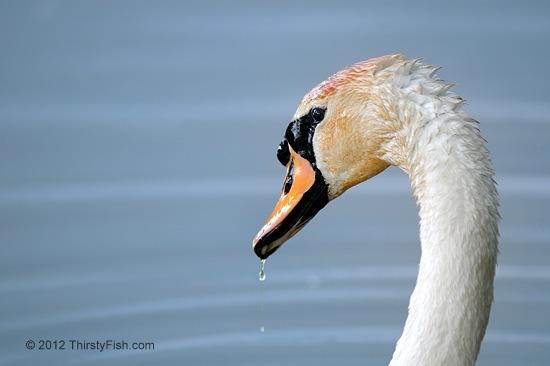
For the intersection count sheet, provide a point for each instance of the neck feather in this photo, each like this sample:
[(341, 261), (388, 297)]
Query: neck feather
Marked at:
[(452, 178)]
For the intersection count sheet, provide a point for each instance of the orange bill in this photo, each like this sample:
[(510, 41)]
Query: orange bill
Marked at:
[(304, 194)]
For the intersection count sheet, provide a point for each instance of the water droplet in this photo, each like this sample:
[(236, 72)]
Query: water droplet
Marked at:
[(262, 279), (262, 271)]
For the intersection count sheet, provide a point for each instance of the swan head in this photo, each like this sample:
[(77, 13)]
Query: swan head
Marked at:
[(337, 138)]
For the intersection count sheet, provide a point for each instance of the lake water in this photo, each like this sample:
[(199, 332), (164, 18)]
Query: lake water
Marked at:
[(137, 161)]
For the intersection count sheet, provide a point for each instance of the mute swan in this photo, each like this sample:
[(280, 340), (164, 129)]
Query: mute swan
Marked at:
[(394, 111)]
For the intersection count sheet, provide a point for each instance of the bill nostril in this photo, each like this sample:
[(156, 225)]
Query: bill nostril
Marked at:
[(289, 179)]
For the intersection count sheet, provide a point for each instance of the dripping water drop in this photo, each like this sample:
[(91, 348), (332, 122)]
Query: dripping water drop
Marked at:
[(262, 271), (262, 278)]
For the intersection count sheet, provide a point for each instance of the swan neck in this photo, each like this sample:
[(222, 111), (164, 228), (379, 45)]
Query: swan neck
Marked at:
[(452, 179)]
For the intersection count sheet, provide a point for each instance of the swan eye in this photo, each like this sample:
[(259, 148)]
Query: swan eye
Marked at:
[(317, 114)]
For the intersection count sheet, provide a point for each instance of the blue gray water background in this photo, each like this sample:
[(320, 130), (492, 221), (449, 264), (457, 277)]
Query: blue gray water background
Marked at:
[(137, 162)]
